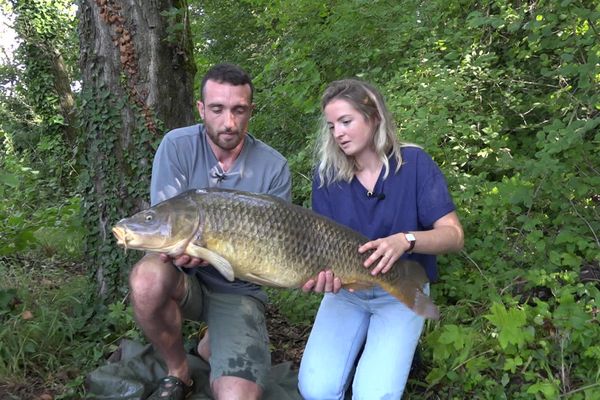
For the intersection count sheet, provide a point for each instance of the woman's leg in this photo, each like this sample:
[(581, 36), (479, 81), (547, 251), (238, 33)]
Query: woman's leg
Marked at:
[(336, 338), (393, 335)]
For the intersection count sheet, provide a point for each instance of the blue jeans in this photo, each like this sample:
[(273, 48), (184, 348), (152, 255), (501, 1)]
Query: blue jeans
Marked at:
[(345, 321)]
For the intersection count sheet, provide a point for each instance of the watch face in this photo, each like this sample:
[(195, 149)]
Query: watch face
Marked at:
[(410, 237)]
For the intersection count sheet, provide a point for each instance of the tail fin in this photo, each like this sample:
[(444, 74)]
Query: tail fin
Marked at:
[(425, 307), (411, 294)]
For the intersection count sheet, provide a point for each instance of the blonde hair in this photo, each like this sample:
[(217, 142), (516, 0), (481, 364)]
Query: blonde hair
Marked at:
[(333, 164)]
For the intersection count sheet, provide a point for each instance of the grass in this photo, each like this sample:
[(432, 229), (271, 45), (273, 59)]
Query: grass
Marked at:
[(53, 332), (50, 332)]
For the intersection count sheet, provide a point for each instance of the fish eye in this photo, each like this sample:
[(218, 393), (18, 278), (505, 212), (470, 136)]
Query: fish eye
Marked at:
[(148, 218)]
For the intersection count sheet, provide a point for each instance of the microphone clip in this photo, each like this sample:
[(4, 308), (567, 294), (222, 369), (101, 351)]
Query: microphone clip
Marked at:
[(378, 196), (217, 174)]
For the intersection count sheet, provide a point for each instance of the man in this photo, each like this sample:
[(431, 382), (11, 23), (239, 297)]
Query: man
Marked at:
[(218, 153)]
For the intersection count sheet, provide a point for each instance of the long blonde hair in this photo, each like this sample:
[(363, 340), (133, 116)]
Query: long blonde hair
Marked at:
[(333, 164)]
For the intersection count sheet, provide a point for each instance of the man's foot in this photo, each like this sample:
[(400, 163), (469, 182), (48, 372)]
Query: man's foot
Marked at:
[(172, 388)]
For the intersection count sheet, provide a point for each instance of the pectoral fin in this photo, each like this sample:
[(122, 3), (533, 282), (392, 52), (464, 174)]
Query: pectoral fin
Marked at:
[(221, 264)]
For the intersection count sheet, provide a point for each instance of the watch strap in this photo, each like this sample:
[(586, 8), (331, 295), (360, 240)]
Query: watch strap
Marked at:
[(410, 238)]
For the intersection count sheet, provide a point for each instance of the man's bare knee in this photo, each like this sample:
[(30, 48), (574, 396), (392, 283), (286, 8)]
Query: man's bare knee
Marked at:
[(234, 388), (151, 279)]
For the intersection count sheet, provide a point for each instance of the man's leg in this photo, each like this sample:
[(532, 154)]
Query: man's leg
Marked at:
[(239, 346), (234, 388), (203, 348), (157, 288)]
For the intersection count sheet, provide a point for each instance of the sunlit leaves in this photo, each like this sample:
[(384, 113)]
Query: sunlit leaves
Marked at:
[(511, 326)]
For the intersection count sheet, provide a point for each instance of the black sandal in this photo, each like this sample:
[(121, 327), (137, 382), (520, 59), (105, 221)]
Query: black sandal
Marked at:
[(171, 388)]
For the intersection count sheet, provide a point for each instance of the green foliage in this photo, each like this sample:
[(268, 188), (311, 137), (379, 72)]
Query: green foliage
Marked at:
[(41, 76), (296, 306), (544, 347), (32, 218), (510, 325), (55, 329), (36, 163), (503, 95)]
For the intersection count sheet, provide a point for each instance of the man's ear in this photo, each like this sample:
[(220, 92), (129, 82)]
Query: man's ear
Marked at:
[(200, 106)]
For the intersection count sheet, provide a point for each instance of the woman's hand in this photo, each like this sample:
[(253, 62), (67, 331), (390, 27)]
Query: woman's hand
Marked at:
[(387, 250), (325, 282), (446, 236)]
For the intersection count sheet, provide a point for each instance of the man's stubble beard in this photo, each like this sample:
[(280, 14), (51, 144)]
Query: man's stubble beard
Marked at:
[(227, 145)]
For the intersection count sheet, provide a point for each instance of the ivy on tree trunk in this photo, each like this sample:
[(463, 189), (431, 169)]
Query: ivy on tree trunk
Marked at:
[(137, 81)]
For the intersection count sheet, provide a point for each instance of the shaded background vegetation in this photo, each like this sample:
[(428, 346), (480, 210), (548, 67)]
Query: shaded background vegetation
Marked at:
[(503, 94)]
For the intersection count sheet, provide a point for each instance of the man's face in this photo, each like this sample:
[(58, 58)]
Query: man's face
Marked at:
[(226, 111)]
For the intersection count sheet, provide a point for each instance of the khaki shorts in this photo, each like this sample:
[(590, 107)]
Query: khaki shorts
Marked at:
[(239, 341)]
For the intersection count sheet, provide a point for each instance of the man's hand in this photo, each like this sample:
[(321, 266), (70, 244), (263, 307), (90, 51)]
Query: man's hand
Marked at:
[(325, 282), (183, 260)]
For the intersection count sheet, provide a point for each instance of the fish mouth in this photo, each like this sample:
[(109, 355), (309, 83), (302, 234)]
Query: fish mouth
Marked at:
[(127, 239), (121, 236)]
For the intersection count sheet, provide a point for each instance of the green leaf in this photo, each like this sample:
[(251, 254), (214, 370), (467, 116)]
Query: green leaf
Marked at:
[(6, 298), (511, 325), (546, 388), (511, 364), (9, 180)]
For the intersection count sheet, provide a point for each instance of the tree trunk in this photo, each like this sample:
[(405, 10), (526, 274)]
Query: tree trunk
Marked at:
[(138, 72), (62, 85), (41, 27)]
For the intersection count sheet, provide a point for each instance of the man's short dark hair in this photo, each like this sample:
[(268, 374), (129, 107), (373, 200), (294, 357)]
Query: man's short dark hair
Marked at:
[(227, 73)]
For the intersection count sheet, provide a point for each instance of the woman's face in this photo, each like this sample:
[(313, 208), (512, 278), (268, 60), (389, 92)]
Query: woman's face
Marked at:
[(352, 132)]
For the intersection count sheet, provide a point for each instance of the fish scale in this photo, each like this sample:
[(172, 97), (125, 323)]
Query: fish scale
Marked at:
[(273, 233), (263, 239)]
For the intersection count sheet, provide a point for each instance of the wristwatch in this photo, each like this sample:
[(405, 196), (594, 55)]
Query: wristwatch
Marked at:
[(411, 239)]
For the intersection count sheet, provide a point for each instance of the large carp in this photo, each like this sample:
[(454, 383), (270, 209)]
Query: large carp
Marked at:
[(263, 239)]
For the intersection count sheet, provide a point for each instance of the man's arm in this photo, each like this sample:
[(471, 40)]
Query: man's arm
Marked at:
[(281, 185), (168, 178)]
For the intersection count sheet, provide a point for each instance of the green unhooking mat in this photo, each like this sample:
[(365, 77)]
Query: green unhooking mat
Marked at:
[(138, 369)]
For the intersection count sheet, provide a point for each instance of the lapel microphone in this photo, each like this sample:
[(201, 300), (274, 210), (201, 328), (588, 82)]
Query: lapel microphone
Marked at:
[(217, 174), (378, 196)]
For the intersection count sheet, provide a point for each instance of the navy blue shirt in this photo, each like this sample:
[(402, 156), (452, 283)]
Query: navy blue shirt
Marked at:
[(411, 199)]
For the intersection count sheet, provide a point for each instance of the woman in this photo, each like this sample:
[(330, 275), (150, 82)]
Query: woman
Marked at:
[(397, 196)]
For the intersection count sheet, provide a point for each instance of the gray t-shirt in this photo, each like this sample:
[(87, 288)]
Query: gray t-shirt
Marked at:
[(184, 160)]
